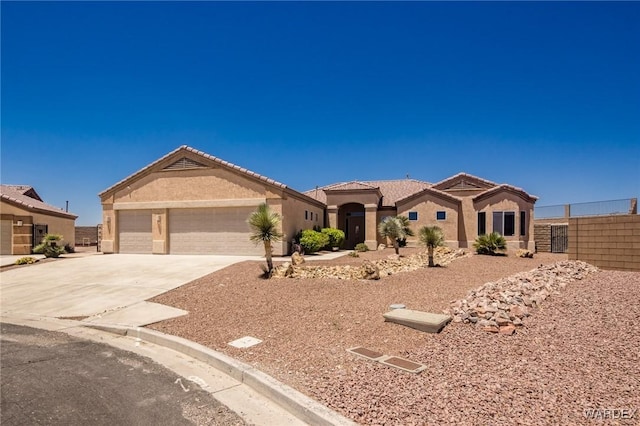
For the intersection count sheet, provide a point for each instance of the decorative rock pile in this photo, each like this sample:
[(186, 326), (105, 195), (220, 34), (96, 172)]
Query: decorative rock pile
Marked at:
[(369, 270), (524, 253), (499, 307)]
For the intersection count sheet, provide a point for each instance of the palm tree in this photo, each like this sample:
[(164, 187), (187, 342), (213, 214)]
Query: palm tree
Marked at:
[(395, 228), (432, 237), (264, 223)]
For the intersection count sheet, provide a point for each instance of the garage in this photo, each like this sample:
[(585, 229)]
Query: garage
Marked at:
[(135, 234), (211, 231), (5, 237)]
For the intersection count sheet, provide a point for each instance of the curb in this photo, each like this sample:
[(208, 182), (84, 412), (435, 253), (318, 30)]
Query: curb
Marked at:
[(296, 403)]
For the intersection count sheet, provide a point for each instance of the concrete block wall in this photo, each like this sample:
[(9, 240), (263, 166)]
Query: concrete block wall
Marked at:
[(90, 232), (608, 242), (542, 237)]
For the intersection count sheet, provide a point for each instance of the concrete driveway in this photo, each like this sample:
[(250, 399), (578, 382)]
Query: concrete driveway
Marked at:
[(109, 289)]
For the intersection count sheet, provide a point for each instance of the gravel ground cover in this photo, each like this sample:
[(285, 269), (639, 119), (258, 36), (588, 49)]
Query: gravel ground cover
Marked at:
[(578, 351)]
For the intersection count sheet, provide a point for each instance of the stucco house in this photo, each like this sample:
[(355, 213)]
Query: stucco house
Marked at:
[(190, 202), (464, 206), (25, 219)]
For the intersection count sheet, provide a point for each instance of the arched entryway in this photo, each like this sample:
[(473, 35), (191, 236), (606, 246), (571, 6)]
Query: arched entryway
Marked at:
[(351, 220)]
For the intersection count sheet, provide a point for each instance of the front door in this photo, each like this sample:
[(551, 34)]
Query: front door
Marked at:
[(354, 233), (39, 231)]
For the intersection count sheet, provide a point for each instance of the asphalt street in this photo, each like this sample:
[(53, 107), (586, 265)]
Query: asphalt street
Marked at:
[(55, 379)]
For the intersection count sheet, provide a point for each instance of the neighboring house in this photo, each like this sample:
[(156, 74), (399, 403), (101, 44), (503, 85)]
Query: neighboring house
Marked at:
[(464, 206), (189, 202), (25, 219)]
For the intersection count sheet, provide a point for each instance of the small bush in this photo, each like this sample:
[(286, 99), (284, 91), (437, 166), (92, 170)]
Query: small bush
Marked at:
[(336, 237), (68, 248), (354, 254), (361, 247), (26, 260), (50, 246), (312, 241), (490, 244)]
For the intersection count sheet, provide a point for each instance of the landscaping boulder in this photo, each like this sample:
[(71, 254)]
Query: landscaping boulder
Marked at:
[(370, 271), (297, 259)]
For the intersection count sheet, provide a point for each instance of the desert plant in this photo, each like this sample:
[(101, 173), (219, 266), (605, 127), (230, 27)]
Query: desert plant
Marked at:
[(312, 241), (264, 223), (361, 247), (26, 260), (336, 237), (68, 248), (395, 228), (431, 237), (354, 254), (490, 244), (50, 246)]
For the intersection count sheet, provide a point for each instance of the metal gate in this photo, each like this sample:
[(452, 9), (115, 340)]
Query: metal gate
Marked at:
[(559, 238), (39, 231)]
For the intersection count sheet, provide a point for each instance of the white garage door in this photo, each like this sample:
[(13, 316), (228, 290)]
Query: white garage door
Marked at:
[(211, 231), (5, 236), (135, 231)]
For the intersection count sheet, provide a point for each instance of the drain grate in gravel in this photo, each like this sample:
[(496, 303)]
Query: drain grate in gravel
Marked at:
[(367, 353), (404, 364)]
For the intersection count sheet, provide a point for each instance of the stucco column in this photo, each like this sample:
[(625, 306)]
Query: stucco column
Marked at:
[(160, 227), (109, 223), (371, 226), (332, 216)]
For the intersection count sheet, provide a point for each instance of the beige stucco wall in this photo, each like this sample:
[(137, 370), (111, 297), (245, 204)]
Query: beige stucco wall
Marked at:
[(426, 206), (163, 191), (21, 234), (293, 211), (189, 185), (505, 202)]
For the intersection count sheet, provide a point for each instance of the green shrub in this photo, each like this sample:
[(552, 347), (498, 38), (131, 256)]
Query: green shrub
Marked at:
[(68, 248), (490, 244), (336, 237), (361, 247), (26, 260), (354, 254), (50, 246), (312, 241)]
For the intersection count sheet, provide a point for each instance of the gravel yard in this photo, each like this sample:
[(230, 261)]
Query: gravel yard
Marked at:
[(578, 351)]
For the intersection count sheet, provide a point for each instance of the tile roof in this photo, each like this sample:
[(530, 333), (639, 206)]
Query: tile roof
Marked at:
[(201, 154), (26, 197), (441, 185), (506, 187), (391, 190)]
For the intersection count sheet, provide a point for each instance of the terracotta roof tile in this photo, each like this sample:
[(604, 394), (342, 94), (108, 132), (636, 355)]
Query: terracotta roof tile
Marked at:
[(391, 190), (17, 194)]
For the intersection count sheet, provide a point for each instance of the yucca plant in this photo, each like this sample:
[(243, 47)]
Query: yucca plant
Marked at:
[(50, 246), (264, 223), (431, 237), (490, 244), (395, 228)]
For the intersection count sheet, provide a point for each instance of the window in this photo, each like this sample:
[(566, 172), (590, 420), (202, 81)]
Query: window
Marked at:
[(504, 223), (413, 215), (497, 222), (482, 223), (306, 215), (441, 215), (509, 223), (316, 217), (523, 223)]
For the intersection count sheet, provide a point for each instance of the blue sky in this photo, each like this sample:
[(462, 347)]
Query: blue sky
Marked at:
[(542, 95)]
